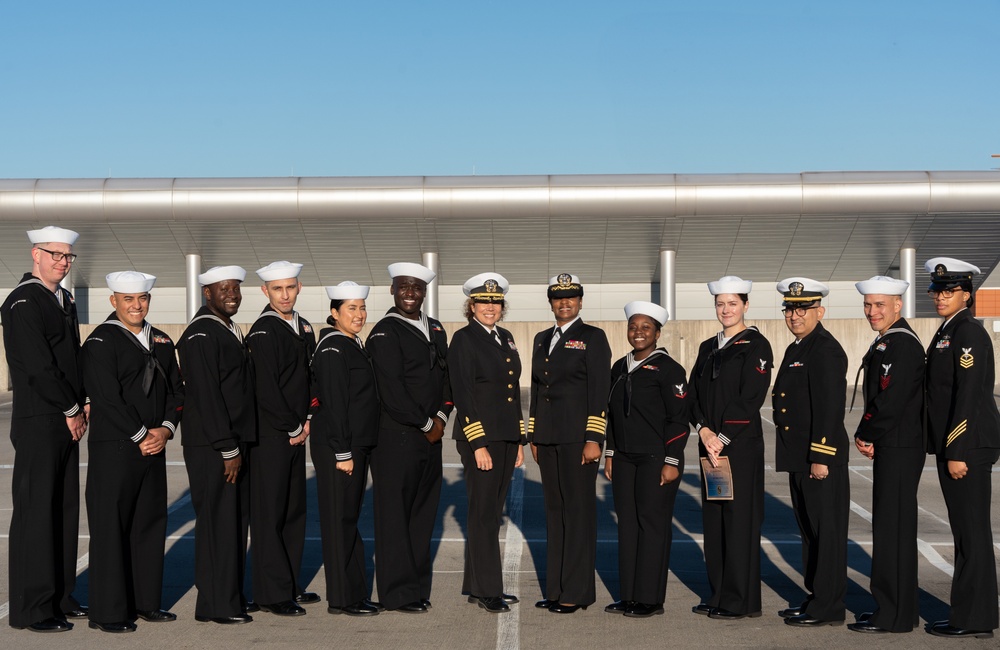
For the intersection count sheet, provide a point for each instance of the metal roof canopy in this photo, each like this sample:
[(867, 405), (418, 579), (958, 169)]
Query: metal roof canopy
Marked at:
[(606, 229)]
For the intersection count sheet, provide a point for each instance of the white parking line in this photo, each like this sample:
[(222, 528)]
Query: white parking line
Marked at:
[(508, 628)]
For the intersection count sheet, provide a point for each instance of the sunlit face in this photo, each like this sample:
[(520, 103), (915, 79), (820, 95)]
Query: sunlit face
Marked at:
[(45, 267), (642, 333), (882, 311), (566, 309), (131, 309), (949, 302), (223, 298), (282, 294), (801, 321), (487, 313), (408, 295), (730, 309), (351, 316)]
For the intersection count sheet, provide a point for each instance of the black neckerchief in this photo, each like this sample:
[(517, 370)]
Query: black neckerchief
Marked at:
[(715, 356), (152, 364)]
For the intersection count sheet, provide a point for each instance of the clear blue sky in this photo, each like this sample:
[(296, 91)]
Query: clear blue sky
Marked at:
[(370, 87)]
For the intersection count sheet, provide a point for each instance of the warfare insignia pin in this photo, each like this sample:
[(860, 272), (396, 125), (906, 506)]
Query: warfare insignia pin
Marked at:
[(966, 359)]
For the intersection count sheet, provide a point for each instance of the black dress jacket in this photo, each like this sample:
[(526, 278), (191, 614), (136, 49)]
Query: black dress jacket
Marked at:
[(281, 358), (346, 405), (894, 390)]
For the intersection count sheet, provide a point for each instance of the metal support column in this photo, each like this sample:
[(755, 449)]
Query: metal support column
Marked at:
[(430, 260), (192, 294), (908, 272), (668, 283)]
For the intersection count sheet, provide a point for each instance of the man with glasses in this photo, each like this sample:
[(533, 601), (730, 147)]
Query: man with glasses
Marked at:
[(808, 397), (42, 341)]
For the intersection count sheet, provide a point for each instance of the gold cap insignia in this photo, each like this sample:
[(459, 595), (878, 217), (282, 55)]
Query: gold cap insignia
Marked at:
[(795, 288), (564, 279)]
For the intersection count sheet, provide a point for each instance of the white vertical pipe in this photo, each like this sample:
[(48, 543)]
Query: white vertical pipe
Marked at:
[(192, 292), (431, 300), (908, 272), (668, 283)]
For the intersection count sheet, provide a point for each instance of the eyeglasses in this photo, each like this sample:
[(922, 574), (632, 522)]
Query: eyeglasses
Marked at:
[(946, 293), (798, 311), (58, 257)]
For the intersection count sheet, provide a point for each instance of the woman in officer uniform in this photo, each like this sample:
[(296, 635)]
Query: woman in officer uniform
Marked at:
[(649, 409), (964, 435), (484, 369), (344, 429), (729, 383)]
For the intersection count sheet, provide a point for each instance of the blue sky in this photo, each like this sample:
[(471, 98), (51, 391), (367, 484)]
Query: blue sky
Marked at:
[(370, 87)]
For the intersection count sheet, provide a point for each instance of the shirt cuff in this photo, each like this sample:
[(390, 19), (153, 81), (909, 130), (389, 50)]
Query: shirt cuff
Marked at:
[(344, 456), (725, 440), (171, 426), (670, 460), (608, 453), (427, 427), (295, 434), (444, 418), (231, 454), (140, 434), (73, 411)]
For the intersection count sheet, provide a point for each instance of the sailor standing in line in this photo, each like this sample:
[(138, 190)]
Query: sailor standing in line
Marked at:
[(808, 398), (964, 435), (570, 379), (41, 336), (281, 344), (136, 396), (409, 350), (219, 423), (891, 433)]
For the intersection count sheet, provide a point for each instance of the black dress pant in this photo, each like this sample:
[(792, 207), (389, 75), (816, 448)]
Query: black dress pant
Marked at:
[(340, 497), (221, 513), (277, 518), (487, 494), (406, 481), (45, 522), (821, 511), (645, 512), (896, 478), (974, 584), (127, 511), (732, 531), (570, 495)]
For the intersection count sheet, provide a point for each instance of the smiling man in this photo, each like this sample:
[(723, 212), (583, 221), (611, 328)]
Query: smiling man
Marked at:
[(136, 397), (891, 433), (219, 424), (41, 337), (808, 398)]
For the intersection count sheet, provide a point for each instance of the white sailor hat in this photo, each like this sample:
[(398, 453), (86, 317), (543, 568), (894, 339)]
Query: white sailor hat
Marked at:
[(882, 285), (220, 273), (651, 309), (52, 234), (948, 272), (347, 290), (486, 287), (409, 269), (279, 271), (564, 285), (130, 281), (729, 284), (798, 291)]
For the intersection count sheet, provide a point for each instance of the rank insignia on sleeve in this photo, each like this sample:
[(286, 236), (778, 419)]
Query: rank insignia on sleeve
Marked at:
[(762, 368), (966, 359), (575, 345), (681, 393), (883, 381)]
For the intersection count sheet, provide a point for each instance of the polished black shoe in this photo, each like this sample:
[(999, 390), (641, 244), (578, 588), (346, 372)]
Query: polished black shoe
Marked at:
[(642, 610), (80, 612), (416, 607), (545, 603), (426, 603), (249, 607), (951, 632), (726, 615), (702, 609), (804, 620), (618, 607), (559, 608), (115, 628), (357, 609), (792, 611), (374, 603), (867, 628), (156, 615), (286, 608), (50, 625), (307, 598), (225, 620), (864, 617), (507, 598), (493, 604)]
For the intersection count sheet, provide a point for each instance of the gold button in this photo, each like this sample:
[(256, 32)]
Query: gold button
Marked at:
[(510, 399), (510, 372), (782, 394), (508, 359), (786, 428), (510, 385), (783, 410), (546, 359)]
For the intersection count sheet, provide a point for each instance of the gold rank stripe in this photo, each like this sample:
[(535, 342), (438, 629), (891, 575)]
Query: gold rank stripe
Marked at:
[(596, 424), (474, 430), (531, 424), (956, 432), (823, 449), (522, 427)]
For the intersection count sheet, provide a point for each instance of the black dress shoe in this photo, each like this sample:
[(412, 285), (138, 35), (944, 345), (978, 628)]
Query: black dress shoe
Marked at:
[(642, 610), (618, 607), (307, 598), (792, 611), (374, 603), (864, 617), (545, 603), (249, 607), (225, 620), (947, 630), (416, 607), (493, 604), (702, 609), (117, 628), (726, 615), (50, 625), (80, 612), (559, 608), (507, 598), (357, 609), (804, 620), (426, 603), (156, 615), (285, 608), (866, 627)]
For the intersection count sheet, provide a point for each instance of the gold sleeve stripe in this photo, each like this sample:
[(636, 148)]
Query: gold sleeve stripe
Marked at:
[(531, 424), (956, 432), (523, 432), (823, 449), (473, 436), (474, 430), (596, 424)]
